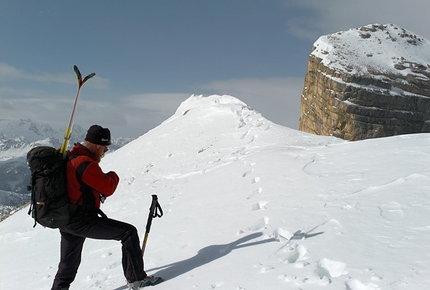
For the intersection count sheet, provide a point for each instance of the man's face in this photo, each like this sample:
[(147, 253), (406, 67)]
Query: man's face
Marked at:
[(101, 150)]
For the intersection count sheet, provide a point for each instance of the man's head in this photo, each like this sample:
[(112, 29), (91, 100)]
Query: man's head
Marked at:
[(98, 135), (97, 141)]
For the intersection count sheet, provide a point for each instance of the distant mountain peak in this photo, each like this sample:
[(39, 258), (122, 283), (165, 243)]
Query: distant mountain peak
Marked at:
[(30, 130), (17, 137)]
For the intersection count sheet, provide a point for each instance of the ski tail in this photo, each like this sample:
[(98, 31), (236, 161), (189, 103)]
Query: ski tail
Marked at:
[(68, 134)]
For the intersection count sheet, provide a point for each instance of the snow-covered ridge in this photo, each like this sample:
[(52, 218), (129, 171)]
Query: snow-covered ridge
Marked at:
[(375, 49)]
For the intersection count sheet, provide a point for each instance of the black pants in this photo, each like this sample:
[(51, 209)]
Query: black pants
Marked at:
[(92, 226)]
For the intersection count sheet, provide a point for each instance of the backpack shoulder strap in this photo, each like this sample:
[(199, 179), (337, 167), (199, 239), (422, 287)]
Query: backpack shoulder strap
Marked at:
[(86, 190), (87, 197), (81, 167), (80, 170)]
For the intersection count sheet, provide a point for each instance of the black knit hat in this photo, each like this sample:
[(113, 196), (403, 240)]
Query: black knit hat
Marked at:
[(98, 135)]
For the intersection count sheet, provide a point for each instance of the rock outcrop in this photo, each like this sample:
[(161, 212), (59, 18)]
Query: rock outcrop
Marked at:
[(368, 82)]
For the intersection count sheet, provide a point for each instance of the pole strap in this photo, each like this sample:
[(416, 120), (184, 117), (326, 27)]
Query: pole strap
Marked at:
[(155, 211)]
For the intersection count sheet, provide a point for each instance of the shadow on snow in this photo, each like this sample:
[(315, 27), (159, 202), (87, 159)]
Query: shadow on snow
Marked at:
[(214, 252), (207, 255)]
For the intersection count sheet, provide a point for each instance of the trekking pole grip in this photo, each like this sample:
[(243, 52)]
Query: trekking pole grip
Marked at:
[(155, 210)]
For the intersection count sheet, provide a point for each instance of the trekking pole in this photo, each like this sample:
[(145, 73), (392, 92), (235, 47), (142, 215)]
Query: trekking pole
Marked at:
[(68, 133), (153, 213)]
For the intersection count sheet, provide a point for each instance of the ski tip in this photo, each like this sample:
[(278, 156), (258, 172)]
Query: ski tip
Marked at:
[(88, 77), (77, 72), (79, 76)]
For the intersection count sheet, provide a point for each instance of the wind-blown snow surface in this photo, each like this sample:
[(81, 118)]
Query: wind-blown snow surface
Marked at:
[(251, 205)]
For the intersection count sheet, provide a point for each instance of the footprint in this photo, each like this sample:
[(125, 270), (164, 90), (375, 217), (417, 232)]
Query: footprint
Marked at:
[(256, 180), (217, 284), (255, 193), (260, 205), (147, 168), (354, 284), (247, 172), (281, 233), (105, 255), (266, 269), (296, 253), (392, 211), (111, 266), (330, 269), (131, 180), (288, 278), (261, 224), (185, 246)]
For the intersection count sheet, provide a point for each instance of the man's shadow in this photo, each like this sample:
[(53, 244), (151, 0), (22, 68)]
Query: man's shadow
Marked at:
[(205, 256), (211, 253)]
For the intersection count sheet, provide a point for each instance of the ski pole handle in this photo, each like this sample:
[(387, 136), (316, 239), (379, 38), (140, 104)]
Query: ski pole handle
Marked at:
[(155, 210)]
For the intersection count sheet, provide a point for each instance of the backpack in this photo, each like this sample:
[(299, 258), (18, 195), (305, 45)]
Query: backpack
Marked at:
[(50, 205)]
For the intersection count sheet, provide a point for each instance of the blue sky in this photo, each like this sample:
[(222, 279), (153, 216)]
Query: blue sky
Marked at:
[(149, 56)]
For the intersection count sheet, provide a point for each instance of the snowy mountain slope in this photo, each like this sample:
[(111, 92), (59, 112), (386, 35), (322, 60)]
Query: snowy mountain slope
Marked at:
[(251, 205)]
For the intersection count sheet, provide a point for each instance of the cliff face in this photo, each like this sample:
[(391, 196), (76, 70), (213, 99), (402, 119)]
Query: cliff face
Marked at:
[(369, 82)]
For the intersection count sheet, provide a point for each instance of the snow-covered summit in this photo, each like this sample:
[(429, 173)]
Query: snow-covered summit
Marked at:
[(207, 128), (375, 49)]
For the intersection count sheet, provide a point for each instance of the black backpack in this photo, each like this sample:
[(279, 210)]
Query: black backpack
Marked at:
[(50, 205)]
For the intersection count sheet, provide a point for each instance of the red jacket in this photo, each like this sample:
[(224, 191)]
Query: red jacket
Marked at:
[(93, 176)]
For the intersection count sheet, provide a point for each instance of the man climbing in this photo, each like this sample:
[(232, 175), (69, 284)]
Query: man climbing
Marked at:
[(87, 187)]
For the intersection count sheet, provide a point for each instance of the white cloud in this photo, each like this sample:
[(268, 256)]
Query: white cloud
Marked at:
[(339, 15), (131, 116), (8, 92), (161, 102), (128, 117), (277, 99), (8, 72)]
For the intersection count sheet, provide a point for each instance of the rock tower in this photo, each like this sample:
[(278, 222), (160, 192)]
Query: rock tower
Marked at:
[(367, 82)]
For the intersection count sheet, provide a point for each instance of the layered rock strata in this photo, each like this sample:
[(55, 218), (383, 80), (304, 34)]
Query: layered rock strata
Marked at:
[(368, 82)]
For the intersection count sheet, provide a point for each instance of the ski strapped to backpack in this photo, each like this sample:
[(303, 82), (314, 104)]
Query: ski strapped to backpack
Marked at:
[(50, 205), (68, 133)]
